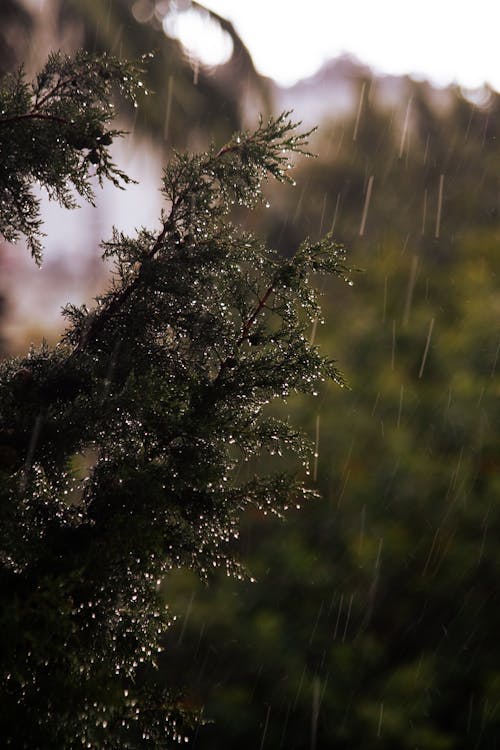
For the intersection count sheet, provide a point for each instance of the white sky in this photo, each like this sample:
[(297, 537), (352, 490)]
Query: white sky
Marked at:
[(443, 40)]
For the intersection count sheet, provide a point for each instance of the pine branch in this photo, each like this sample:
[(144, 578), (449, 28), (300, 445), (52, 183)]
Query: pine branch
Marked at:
[(253, 317), (33, 116), (275, 139), (116, 302), (60, 85), (55, 133)]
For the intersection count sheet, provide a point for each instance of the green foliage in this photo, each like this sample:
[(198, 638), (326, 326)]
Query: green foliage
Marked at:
[(189, 105), (54, 133), (123, 449), (374, 621)]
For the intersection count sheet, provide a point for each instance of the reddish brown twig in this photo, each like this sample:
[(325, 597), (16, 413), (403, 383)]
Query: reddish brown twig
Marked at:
[(253, 317)]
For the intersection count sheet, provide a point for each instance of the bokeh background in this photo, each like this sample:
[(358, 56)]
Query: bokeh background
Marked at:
[(374, 617)]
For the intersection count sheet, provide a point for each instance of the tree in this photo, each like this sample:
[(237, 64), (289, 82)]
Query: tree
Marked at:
[(126, 451)]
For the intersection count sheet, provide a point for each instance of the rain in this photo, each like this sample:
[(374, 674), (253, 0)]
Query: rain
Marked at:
[(296, 377)]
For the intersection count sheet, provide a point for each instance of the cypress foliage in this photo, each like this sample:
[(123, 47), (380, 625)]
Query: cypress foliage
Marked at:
[(122, 449), (53, 132)]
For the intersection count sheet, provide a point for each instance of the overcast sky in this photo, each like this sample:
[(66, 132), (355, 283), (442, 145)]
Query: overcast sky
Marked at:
[(444, 40)]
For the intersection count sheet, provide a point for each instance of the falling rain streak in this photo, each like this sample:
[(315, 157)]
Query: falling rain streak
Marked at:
[(404, 135), (410, 289), (266, 723), (186, 618), (343, 489), (439, 206), (313, 632), (426, 149), (313, 332), (366, 206), (336, 213), (358, 113), (401, 397), (298, 208), (380, 718), (170, 86), (426, 350), (384, 306)]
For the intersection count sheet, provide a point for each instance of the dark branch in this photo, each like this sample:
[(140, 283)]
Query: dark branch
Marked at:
[(34, 116), (253, 317)]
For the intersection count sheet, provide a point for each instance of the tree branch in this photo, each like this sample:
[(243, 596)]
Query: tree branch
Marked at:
[(98, 322), (34, 116), (62, 82), (253, 317)]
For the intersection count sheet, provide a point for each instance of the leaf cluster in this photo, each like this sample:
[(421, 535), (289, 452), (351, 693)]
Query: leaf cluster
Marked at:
[(55, 134)]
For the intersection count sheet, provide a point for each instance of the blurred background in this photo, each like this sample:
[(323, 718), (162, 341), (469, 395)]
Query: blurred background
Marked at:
[(375, 614)]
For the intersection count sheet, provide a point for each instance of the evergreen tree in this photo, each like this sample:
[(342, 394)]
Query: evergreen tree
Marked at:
[(125, 451)]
